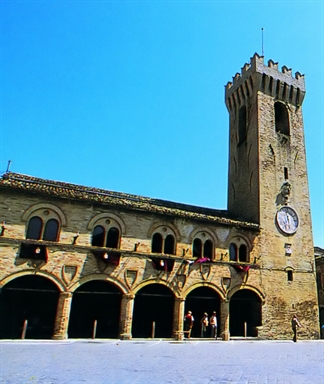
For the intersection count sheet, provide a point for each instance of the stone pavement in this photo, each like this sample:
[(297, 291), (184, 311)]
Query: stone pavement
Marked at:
[(156, 361)]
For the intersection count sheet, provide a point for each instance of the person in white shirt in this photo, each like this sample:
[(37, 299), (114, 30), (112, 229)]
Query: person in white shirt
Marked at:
[(204, 324), (213, 325)]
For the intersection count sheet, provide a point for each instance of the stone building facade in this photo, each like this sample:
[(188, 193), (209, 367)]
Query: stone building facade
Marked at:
[(82, 262)]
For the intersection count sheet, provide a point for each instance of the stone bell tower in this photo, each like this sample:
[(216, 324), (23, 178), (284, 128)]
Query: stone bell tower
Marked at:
[(268, 182)]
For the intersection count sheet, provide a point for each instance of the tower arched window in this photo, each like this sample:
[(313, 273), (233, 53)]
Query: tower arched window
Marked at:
[(242, 126), (281, 119)]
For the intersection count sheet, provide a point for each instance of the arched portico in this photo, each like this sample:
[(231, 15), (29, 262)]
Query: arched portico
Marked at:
[(153, 312), (58, 283), (95, 310), (29, 299), (245, 312), (203, 299)]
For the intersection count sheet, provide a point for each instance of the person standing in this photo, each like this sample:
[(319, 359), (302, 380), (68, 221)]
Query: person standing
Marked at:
[(294, 325), (188, 323), (204, 324), (213, 325)]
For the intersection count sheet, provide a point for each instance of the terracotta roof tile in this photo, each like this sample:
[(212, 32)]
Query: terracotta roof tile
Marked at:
[(118, 199)]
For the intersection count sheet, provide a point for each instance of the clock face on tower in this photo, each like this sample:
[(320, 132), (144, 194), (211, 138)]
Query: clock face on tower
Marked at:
[(287, 220)]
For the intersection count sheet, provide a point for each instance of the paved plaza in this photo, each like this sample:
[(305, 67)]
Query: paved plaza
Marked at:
[(156, 361)]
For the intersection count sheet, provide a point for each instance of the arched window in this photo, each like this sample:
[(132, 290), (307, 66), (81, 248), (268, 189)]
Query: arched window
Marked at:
[(51, 230), (163, 240), (281, 119), (203, 245), (238, 251), (197, 248), (243, 253), (106, 236), (242, 131), (106, 231), (233, 252), (169, 245), (112, 238), (208, 249), (98, 236), (44, 222), (157, 243), (35, 227)]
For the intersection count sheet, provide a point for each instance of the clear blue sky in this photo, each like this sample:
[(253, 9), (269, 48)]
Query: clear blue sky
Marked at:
[(129, 95)]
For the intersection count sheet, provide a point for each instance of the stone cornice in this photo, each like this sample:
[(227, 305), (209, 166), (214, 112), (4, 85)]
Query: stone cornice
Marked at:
[(122, 200)]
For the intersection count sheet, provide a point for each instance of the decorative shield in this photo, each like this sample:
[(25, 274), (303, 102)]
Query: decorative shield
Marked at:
[(226, 282), (130, 277), (102, 266), (205, 270), (68, 273), (181, 281)]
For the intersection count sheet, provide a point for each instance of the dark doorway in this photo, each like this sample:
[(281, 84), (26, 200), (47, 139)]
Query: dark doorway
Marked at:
[(153, 304), (245, 313), (32, 298), (95, 302), (198, 301)]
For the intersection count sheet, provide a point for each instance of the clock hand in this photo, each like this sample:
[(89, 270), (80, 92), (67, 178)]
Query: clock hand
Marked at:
[(287, 221)]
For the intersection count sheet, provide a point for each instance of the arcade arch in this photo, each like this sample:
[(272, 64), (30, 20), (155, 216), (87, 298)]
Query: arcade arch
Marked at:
[(30, 297), (153, 312), (245, 313), (199, 300), (95, 306)]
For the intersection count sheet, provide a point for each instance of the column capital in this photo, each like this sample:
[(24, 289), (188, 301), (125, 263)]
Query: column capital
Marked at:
[(66, 294), (180, 299), (130, 296)]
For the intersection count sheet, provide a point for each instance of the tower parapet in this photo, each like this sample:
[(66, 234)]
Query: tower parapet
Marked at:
[(255, 76)]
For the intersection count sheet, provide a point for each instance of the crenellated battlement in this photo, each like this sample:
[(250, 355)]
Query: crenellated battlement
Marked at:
[(256, 76)]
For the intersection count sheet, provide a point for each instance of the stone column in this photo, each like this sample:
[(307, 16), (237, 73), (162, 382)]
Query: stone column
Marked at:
[(126, 316), (179, 305), (62, 316), (225, 332)]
